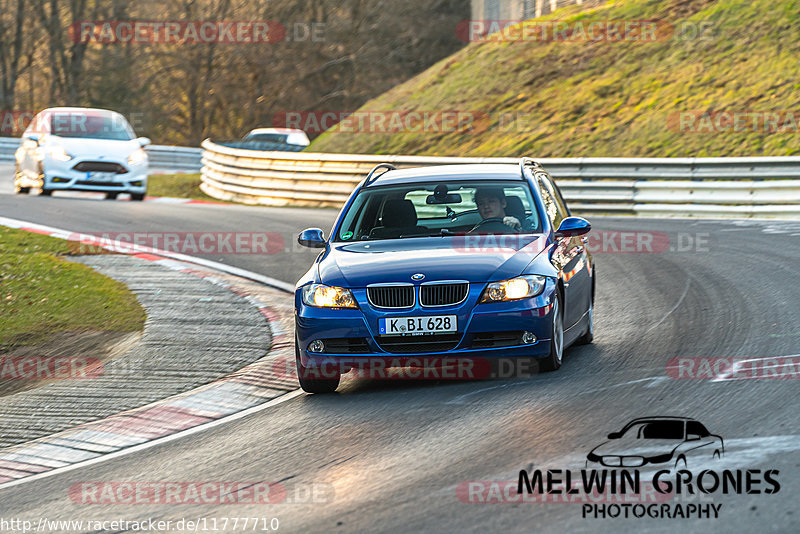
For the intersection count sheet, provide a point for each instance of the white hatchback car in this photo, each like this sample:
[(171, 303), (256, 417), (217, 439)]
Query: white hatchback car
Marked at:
[(279, 136), (81, 149)]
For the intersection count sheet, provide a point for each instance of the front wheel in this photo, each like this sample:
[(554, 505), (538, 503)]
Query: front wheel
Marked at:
[(311, 383), (137, 197), (43, 191), (17, 178), (111, 196), (553, 361)]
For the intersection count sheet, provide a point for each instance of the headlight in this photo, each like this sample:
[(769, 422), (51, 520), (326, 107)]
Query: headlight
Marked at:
[(138, 156), (517, 288), (58, 153), (321, 296)]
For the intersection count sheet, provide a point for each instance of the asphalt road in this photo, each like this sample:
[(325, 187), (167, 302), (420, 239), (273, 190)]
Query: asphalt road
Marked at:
[(389, 456)]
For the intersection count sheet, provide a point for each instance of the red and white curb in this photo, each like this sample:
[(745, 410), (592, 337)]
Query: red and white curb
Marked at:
[(238, 394)]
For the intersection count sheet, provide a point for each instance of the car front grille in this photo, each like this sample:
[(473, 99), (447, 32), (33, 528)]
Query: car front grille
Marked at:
[(100, 166), (419, 344), (431, 295), (393, 297)]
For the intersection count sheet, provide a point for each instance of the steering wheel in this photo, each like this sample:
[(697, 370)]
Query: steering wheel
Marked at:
[(494, 220)]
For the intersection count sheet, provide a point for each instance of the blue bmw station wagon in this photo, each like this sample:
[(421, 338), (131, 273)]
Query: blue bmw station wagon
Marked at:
[(460, 261)]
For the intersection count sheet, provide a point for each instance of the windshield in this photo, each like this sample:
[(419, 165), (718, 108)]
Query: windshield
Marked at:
[(656, 430), (267, 138), (435, 209), (91, 126)]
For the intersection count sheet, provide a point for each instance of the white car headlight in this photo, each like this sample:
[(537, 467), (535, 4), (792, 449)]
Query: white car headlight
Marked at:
[(522, 287), (58, 153), (137, 157), (322, 296)]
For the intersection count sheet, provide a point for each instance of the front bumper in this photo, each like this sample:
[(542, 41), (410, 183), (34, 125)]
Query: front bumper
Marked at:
[(476, 323), (62, 176)]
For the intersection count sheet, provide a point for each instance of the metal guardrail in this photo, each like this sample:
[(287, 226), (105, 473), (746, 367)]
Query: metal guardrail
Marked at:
[(8, 145), (177, 158), (694, 187)]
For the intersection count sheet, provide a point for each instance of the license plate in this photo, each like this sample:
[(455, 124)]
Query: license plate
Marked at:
[(413, 326), (101, 176)]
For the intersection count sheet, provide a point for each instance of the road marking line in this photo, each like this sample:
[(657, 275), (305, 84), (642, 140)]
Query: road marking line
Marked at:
[(677, 304)]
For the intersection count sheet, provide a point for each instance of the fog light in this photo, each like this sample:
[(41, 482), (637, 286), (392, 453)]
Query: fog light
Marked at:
[(528, 338), (316, 346), (60, 180), (136, 183)]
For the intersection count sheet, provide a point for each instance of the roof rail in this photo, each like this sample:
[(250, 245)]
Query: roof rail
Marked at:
[(527, 162), (371, 176)]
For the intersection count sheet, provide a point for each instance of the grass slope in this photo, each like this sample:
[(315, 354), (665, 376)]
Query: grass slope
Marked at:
[(42, 294), (610, 98), (177, 186)]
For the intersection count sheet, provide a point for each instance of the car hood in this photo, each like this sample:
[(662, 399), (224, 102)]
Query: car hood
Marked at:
[(438, 258), (636, 447), (105, 149)]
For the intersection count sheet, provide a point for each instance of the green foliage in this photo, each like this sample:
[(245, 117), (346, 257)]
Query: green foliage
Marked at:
[(42, 294), (563, 99)]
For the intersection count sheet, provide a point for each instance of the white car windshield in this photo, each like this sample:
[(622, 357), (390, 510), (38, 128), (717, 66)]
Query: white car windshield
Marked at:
[(91, 126)]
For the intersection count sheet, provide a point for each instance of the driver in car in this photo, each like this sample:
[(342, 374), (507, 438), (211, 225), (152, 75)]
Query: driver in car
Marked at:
[(491, 203)]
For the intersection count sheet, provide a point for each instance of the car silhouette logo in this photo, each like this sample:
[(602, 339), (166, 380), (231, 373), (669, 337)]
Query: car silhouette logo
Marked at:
[(670, 441), (417, 277)]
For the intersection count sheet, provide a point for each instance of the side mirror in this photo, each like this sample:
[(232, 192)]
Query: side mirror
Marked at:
[(144, 141), (33, 137), (614, 435), (312, 238), (573, 226)]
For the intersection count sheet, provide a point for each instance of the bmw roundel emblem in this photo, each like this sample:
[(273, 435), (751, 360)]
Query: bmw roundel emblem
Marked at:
[(417, 277)]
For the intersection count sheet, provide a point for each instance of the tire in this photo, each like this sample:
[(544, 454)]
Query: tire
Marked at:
[(42, 190), (137, 197), (553, 361), (310, 384), (588, 336), (111, 196)]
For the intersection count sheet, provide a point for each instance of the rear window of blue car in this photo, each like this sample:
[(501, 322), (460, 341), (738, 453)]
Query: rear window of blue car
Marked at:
[(420, 210)]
